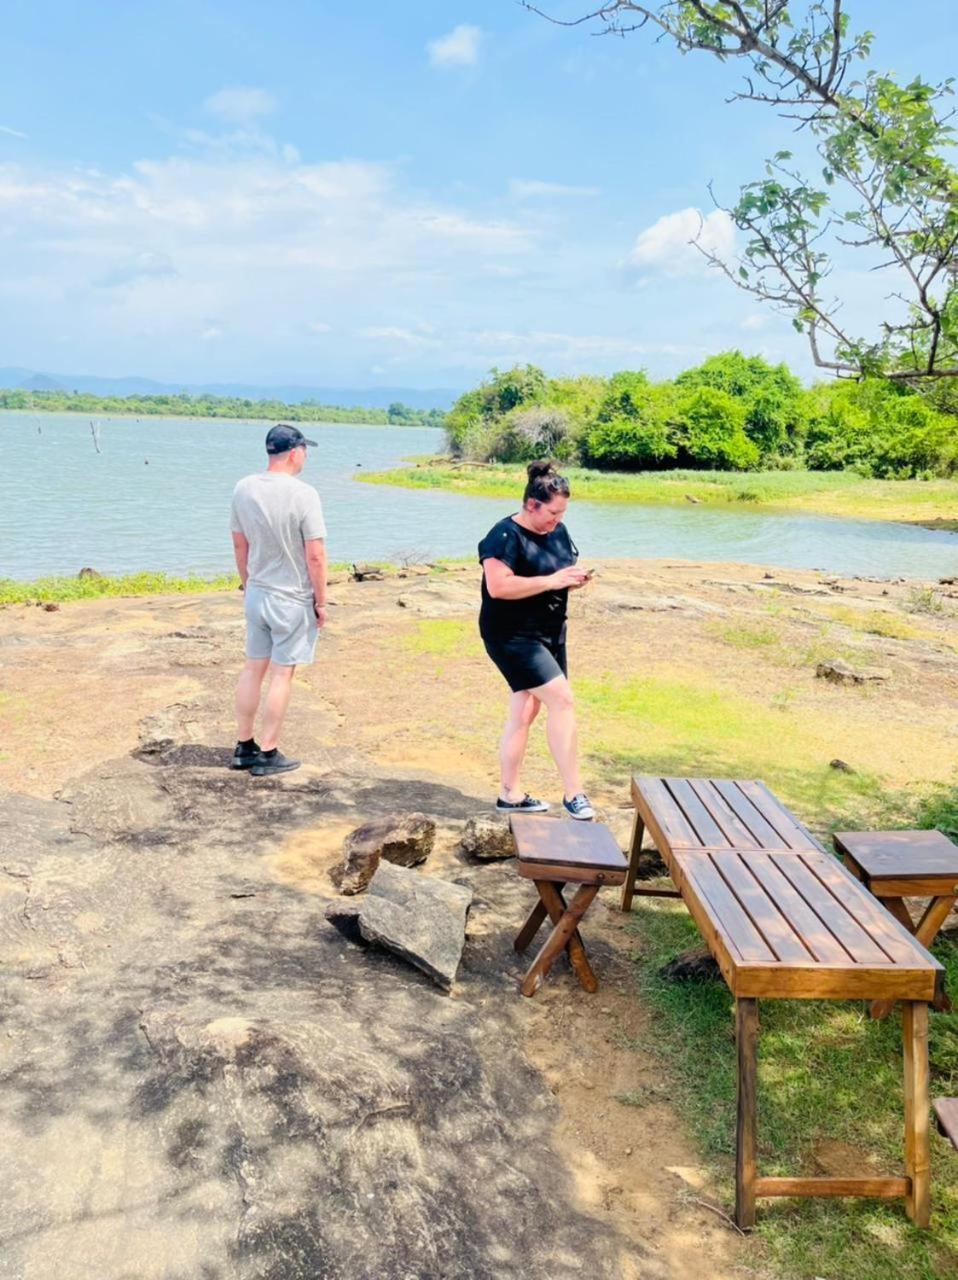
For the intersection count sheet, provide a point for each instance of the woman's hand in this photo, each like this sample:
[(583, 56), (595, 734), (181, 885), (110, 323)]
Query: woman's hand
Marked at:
[(570, 578)]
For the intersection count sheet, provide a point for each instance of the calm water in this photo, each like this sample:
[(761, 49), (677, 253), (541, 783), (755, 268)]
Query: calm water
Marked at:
[(158, 495)]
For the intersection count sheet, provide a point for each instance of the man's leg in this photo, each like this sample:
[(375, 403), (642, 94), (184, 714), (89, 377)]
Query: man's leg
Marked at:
[(523, 709), (277, 700), (248, 691)]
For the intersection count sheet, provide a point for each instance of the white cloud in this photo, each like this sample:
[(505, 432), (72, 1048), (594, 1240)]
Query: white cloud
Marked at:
[(459, 48), (318, 326), (13, 133), (407, 337), (211, 333), (755, 322), (668, 245), (240, 105), (530, 189)]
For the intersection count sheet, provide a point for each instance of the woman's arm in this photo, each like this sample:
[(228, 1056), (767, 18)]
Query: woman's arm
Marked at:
[(503, 584)]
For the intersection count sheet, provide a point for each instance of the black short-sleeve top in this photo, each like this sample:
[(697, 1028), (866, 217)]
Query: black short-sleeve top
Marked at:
[(529, 555)]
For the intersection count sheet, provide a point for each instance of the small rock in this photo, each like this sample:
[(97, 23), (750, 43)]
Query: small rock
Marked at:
[(402, 838), (87, 572), (694, 965), (695, 501), (50, 607), (838, 672), (841, 765), (487, 838)]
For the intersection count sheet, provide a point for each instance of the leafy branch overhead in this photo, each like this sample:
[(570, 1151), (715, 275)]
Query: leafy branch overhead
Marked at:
[(885, 196)]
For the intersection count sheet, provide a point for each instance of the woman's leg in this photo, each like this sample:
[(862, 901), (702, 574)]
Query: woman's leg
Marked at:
[(561, 732), (523, 709)]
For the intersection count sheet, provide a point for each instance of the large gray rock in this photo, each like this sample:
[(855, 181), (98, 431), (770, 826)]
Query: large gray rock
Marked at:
[(406, 839), (419, 918), (487, 837)]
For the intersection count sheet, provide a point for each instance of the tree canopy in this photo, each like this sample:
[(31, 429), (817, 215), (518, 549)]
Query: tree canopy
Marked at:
[(885, 190)]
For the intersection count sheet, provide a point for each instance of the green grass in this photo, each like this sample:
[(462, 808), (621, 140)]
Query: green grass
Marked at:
[(62, 589), (665, 726), (827, 1075), (441, 637), (875, 622), (836, 493)]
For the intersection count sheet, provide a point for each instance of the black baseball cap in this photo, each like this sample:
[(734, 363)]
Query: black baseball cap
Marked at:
[(283, 437)]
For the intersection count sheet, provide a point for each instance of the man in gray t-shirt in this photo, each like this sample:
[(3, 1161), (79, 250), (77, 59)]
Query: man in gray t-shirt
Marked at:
[(279, 540)]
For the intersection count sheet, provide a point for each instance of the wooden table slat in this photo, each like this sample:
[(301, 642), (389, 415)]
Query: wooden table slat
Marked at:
[(669, 816), (788, 827), (730, 916), (835, 916), (737, 834), (824, 946), (885, 931), (697, 815), (764, 911), (763, 833)]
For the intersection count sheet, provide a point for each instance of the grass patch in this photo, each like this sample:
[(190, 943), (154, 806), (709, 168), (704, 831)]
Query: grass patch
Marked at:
[(829, 1078), (61, 590), (442, 637), (664, 726), (835, 493), (744, 635), (873, 622)]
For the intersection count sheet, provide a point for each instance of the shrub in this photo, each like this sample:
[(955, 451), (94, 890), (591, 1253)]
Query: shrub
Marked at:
[(709, 431)]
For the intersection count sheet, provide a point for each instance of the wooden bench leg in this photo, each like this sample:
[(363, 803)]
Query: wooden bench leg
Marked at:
[(635, 848), (914, 1028), (531, 926), (558, 939), (746, 1036)]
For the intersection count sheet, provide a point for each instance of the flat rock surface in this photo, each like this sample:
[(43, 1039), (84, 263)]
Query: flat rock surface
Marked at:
[(422, 920)]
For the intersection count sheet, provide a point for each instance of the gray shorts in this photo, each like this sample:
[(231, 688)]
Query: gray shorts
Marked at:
[(279, 628)]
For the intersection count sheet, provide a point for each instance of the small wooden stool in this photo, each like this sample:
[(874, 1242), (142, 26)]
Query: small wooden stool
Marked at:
[(895, 865), (553, 853)]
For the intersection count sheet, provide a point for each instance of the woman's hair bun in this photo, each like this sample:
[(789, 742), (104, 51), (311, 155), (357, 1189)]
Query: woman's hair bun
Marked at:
[(543, 467)]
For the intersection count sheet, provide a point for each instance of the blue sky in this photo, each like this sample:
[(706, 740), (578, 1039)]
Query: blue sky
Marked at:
[(376, 194)]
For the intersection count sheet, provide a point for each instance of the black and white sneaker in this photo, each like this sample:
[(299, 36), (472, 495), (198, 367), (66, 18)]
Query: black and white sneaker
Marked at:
[(525, 805), (244, 756), (579, 807), (270, 762)]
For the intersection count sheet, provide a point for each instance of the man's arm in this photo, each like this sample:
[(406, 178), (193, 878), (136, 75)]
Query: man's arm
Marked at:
[(316, 567), (241, 552)]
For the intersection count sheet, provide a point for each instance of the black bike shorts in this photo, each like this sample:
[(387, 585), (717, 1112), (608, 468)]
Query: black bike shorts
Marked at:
[(528, 661)]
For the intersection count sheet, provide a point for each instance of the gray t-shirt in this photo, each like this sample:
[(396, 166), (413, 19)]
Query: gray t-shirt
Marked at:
[(277, 513)]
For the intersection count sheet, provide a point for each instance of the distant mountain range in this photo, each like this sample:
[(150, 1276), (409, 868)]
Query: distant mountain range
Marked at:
[(366, 397)]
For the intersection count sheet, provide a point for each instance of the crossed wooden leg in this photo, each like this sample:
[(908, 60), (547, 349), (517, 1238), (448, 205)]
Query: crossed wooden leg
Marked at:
[(564, 935)]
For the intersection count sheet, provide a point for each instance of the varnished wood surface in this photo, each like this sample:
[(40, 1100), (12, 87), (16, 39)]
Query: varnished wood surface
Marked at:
[(783, 924), (557, 842), (922, 861), (709, 813)]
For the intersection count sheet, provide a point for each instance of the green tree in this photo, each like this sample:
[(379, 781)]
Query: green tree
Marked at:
[(631, 427), (886, 186), (709, 431), (771, 394)]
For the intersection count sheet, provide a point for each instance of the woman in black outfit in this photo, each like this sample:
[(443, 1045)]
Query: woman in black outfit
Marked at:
[(529, 568)]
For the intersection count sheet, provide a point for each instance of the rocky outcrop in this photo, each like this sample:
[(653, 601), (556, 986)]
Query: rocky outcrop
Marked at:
[(487, 837), (421, 919), (838, 672), (405, 839)]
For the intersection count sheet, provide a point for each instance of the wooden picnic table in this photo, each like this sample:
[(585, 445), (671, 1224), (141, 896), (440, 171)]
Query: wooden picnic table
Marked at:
[(785, 920)]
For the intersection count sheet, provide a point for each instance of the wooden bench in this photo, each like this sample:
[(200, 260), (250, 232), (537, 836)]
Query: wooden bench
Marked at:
[(785, 920), (894, 865), (554, 853)]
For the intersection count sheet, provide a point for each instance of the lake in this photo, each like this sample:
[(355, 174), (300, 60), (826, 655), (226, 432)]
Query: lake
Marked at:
[(157, 497)]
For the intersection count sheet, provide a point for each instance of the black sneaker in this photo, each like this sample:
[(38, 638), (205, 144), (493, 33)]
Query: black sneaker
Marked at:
[(269, 762), (244, 757), (525, 805), (579, 807)]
